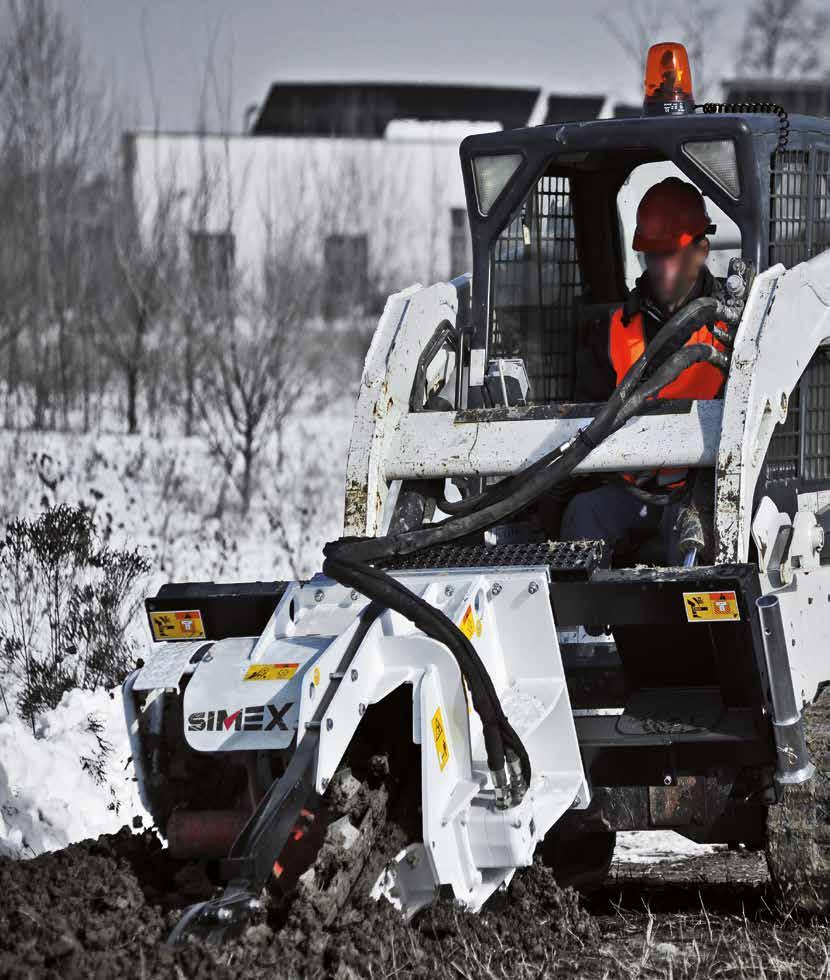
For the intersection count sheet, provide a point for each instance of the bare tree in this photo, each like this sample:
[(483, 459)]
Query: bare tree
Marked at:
[(635, 25), (252, 383), (698, 27), (57, 129), (784, 38), (147, 273)]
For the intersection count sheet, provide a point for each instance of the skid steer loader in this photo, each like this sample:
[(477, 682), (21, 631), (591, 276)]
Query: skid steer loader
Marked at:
[(554, 693)]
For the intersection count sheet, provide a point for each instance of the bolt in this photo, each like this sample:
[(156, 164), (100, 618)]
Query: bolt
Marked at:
[(207, 658), (324, 784), (735, 285), (224, 914), (254, 905), (355, 595), (449, 590), (496, 588), (353, 674), (577, 801), (361, 709), (533, 588), (319, 595), (667, 779), (516, 824), (329, 724)]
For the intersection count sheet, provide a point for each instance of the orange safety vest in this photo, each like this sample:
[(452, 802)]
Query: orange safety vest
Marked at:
[(626, 344)]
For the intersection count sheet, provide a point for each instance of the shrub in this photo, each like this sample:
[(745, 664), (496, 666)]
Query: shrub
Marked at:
[(67, 598)]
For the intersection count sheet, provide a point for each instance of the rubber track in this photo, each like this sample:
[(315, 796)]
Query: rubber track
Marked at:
[(798, 828)]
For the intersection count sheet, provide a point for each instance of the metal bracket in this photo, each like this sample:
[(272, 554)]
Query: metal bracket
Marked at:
[(804, 554)]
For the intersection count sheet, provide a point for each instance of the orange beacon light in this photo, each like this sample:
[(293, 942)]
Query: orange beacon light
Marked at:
[(668, 81)]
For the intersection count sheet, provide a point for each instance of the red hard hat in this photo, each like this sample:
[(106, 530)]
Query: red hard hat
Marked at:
[(671, 216)]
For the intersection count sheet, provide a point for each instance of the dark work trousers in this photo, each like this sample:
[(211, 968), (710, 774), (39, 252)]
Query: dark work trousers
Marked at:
[(615, 515)]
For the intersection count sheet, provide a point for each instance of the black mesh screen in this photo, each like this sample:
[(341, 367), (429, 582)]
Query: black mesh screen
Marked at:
[(535, 284), (789, 198), (800, 448), (783, 453), (815, 406), (820, 224), (800, 229)]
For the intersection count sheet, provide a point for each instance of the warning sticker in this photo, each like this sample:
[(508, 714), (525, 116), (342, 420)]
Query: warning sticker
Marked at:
[(468, 623), (441, 744), (177, 625), (271, 672), (316, 676), (711, 607)]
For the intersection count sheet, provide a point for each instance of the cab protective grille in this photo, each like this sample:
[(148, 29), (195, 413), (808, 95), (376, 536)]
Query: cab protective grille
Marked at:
[(799, 226), (800, 448), (535, 281)]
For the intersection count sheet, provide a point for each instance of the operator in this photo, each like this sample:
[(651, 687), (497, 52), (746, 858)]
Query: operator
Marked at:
[(672, 225)]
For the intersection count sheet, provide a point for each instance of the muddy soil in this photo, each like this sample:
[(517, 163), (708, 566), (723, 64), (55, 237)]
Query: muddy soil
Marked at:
[(103, 909)]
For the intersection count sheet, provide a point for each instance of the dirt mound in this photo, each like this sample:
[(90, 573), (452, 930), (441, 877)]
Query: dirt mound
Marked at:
[(103, 908)]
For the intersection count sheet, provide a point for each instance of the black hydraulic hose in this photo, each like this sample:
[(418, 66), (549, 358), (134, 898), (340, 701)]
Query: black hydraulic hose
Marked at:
[(677, 328), (527, 486), (347, 560), (497, 730), (468, 504), (670, 371)]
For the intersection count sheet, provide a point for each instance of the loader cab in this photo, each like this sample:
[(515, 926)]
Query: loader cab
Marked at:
[(552, 213)]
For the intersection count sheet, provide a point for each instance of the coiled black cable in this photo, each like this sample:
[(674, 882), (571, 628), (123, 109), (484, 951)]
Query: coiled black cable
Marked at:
[(773, 108)]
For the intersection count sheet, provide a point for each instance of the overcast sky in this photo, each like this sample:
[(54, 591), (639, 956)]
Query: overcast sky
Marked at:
[(552, 43)]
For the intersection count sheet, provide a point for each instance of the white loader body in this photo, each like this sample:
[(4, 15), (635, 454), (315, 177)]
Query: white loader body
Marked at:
[(241, 698)]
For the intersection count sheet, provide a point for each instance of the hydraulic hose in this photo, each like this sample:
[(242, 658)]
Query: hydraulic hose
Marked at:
[(348, 560), (498, 733), (535, 480), (678, 329), (668, 372)]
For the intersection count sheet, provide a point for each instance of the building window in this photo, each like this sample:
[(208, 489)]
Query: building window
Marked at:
[(460, 258), (346, 288), (212, 255)]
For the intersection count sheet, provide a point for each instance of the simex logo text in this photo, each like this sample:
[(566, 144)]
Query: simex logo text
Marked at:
[(254, 718)]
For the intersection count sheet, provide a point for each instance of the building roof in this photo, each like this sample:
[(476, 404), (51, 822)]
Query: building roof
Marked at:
[(573, 108), (809, 96), (367, 108)]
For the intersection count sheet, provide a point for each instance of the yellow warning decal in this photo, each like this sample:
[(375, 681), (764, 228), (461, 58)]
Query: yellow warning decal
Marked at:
[(468, 623), (316, 676), (442, 746), (271, 672), (177, 625), (711, 607)]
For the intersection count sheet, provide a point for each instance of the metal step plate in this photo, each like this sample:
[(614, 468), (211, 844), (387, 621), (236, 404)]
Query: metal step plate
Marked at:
[(566, 559)]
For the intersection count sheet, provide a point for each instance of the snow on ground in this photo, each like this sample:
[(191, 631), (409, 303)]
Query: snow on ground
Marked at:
[(50, 795), (166, 495), (648, 847)]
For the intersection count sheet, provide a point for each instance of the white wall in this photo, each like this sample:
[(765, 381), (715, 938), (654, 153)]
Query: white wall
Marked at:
[(295, 191)]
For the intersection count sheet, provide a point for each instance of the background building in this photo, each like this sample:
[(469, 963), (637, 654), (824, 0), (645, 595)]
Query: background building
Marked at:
[(360, 180)]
